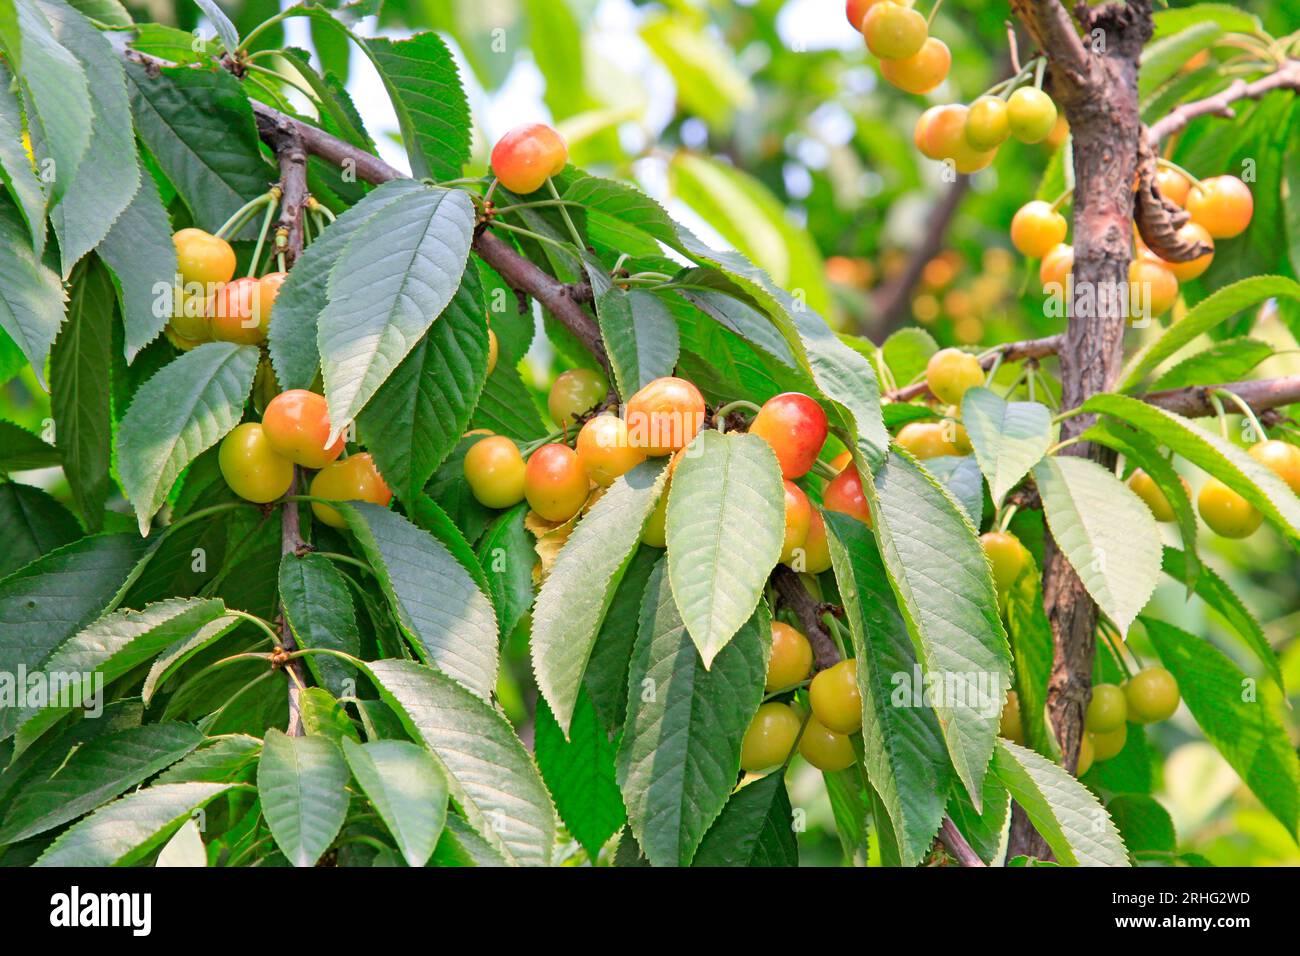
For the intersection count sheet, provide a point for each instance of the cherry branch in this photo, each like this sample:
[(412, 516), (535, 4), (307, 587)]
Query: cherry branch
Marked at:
[(291, 156), (1285, 77), (1008, 351), (825, 654), (522, 275)]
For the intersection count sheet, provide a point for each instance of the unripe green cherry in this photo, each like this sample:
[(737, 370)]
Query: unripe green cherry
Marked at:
[(770, 737), (1152, 695), (1108, 745), (824, 748), (835, 698), (1107, 710), (987, 126), (251, 466), (1007, 556), (1031, 114), (575, 392), (950, 373)]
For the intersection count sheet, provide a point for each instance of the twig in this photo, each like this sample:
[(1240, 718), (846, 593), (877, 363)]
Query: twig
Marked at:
[(807, 610), (1286, 77), (290, 153), (957, 845)]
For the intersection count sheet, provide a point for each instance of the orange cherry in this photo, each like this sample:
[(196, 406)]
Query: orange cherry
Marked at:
[(297, 425)]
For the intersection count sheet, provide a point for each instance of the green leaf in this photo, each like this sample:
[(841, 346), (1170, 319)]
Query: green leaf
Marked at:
[(640, 336), (1215, 592), (20, 450), (418, 415), (105, 182), (578, 591), (1239, 722), (606, 675), (506, 408), (31, 295), (507, 557), (1133, 769), (173, 658), (199, 125), (755, 828), (304, 295), (125, 831), (907, 352), (60, 114), (1226, 361), (185, 848), (323, 716), (424, 86), (94, 773), (961, 475), (319, 611), (491, 777), (1009, 437), (1105, 531), (945, 591), (182, 410), (220, 760), (392, 280), (221, 23), (1143, 823), (79, 390), (742, 319), (725, 527), (1031, 650), (1063, 811), (34, 524), (54, 597), (15, 168), (1141, 451), (408, 790), (579, 772), (140, 252), (982, 830), (680, 753), (302, 782), (1221, 458), (1208, 313), (438, 605), (904, 751), (1231, 18), (112, 646), (1162, 59)]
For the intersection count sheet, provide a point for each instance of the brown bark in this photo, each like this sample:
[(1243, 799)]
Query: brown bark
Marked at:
[(1096, 86)]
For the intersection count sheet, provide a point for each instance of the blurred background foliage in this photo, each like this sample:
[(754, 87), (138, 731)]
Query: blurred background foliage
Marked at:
[(764, 126)]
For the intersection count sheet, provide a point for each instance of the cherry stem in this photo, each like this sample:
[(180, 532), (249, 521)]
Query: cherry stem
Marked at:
[(1246, 410), (1004, 520), (261, 236), (1170, 164), (564, 212), (721, 415), (1060, 200), (933, 11), (497, 224), (254, 619), (1217, 404), (244, 213)]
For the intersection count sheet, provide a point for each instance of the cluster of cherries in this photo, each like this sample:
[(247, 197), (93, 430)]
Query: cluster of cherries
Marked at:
[(1149, 696), (1220, 207), (1225, 512), (212, 305), (910, 58), (969, 136), (257, 458)]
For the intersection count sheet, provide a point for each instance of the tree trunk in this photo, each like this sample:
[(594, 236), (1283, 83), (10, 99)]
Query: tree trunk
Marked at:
[(1096, 85)]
